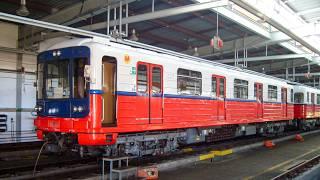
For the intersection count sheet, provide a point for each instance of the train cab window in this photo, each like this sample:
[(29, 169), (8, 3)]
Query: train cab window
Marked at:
[(318, 98), (214, 86), (298, 98), (142, 81), (156, 80), (57, 81), (272, 92), (291, 95), (240, 89), (189, 82), (308, 98)]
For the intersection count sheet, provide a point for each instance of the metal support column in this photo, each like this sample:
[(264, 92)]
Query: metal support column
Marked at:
[(19, 81)]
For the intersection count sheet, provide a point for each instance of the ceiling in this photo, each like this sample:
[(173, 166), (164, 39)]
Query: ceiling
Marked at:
[(183, 32)]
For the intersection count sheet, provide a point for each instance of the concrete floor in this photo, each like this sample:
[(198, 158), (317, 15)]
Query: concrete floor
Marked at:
[(259, 164)]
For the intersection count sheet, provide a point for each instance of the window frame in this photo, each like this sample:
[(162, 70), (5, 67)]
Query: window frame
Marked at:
[(312, 98), (149, 79), (247, 88), (218, 78), (137, 75), (296, 94), (255, 84), (152, 66), (270, 98), (318, 99), (190, 71)]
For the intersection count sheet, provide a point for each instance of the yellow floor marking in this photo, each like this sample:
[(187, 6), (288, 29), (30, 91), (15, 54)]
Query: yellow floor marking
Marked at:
[(206, 156), (281, 164), (223, 152), (187, 150)]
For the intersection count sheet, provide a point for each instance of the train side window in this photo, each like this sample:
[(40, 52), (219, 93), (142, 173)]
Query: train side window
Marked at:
[(240, 89), (142, 79), (156, 80), (298, 97), (318, 98), (214, 86), (272, 92), (291, 95), (221, 90), (189, 82)]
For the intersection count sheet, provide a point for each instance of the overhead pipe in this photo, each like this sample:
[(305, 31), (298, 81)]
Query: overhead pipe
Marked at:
[(127, 15), (108, 20), (120, 18)]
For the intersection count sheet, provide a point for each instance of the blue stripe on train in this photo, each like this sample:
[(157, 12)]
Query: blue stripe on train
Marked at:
[(126, 93)]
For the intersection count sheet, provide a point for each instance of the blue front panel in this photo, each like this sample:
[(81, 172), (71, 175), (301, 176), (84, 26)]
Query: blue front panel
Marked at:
[(84, 102), (64, 107)]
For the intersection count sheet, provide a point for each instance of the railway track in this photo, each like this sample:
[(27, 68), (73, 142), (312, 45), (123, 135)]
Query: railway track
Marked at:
[(60, 166), (23, 169), (9, 147), (299, 169)]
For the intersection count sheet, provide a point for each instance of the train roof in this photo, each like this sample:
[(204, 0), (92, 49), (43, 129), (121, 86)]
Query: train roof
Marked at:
[(150, 48)]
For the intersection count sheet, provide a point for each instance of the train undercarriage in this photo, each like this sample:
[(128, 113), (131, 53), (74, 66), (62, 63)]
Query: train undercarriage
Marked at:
[(166, 142)]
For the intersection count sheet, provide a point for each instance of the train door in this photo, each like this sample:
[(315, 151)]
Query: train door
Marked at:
[(284, 100), (221, 94), (149, 93), (313, 104), (155, 97), (258, 91), (109, 83)]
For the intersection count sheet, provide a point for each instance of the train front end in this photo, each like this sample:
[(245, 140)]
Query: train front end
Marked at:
[(68, 112)]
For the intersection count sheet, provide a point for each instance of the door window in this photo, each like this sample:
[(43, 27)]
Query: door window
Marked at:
[(142, 79), (156, 80), (221, 88)]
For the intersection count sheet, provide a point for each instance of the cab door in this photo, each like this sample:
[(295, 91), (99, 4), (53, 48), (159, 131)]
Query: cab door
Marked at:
[(258, 91), (221, 94), (284, 102)]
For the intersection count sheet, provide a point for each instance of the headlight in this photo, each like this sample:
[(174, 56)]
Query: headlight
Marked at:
[(78, 109), (53, 110), (38, 108), (75, 109)]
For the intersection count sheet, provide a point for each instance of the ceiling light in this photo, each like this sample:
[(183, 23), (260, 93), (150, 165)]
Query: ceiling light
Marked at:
[(133, 36), (196, 52), (23, 11)]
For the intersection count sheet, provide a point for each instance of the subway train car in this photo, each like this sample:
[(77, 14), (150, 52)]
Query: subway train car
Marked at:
[(121, 97), (306, 106)]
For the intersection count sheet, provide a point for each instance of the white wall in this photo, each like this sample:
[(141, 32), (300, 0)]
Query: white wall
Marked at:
[(8, 79)]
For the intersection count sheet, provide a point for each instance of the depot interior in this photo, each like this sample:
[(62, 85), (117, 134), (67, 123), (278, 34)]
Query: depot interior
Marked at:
[(275, 37)]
